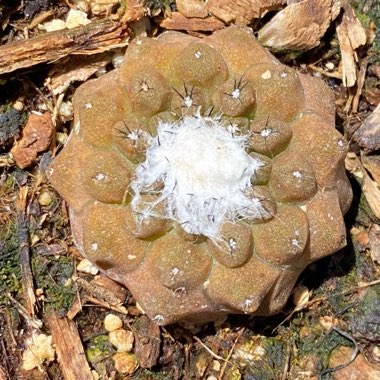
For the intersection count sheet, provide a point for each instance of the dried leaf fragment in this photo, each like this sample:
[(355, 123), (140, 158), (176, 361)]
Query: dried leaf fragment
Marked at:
[(300, 26), (36, 137)]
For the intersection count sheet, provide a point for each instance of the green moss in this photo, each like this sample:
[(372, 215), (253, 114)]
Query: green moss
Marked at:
[(366, 320), (269, 366), (322, 347), (99, 349), (152, 375), (52, 275), (10, 274)]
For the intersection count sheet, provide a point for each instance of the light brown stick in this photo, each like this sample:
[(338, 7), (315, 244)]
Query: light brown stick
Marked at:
[(69, 348), (96, 37)]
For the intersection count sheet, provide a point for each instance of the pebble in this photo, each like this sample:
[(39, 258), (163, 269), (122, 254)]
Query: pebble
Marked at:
[(86, 267), (125, 362), (122, 340), (112, 322)]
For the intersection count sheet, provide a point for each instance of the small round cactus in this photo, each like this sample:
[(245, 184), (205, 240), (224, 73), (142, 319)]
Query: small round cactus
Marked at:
[(204, 175)]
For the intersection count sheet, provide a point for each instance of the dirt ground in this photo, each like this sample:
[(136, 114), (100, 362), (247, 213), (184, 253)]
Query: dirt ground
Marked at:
[(52, 312)]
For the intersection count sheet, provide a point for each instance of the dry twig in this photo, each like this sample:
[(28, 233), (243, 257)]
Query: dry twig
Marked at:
[(69, 348), (230, 354), (96, 37), (23, 235)]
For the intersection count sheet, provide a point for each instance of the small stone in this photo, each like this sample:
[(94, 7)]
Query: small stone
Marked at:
[(216, 366), (45, 198), (53, 25), (125, 362), (102, 6), (86, 267), (330, 66), (376, 353), (18, 105), (112, 322), (76, 18), (66, 111), (122, 340)]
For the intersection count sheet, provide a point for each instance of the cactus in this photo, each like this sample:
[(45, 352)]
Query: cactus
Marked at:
[(204, 175)]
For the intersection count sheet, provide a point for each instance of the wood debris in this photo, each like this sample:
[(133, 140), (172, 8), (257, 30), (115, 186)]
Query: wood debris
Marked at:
[(96, 37), (368, 135), (178, 21), (374, 243), (69, 349), (351, 35), (119, 291), (147, 341), (370, 188), (242, 12), (372, 164), (300, 26), (72, 69), (192, 8), (36, 137), (371, 191)]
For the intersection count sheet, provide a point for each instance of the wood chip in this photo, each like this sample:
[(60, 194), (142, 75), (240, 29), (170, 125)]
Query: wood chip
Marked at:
[(36, 137), (119, 291), (242, 12), (351, 35), (69, 349), (99, 292), (374, 243), (372, 164), (147, 341), (368, 135), (97, 37), (74, 69), (3, 375), (300, 26), (372, 193), (192, 8), (177, 21)]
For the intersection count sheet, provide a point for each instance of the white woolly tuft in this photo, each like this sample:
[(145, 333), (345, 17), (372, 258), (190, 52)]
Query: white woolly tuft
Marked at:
[(205, 176)]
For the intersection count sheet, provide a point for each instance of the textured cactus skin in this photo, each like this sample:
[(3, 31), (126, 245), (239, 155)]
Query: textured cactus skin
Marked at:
[(175, 275)]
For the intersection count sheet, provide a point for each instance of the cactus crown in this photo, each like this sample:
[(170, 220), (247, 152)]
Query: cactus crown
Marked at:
[(204, 172)]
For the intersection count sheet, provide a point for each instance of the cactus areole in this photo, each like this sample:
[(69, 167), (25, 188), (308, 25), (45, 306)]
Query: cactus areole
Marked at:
[(204, 175)]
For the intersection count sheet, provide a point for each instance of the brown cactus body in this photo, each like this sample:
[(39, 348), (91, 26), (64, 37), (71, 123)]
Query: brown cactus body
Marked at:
[(300, 186)]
